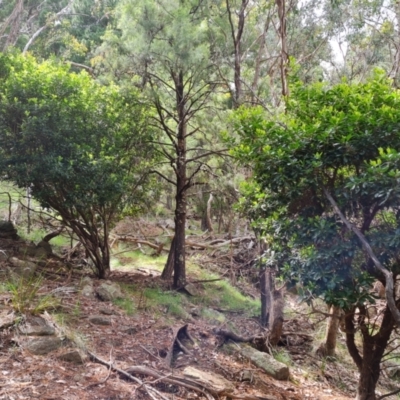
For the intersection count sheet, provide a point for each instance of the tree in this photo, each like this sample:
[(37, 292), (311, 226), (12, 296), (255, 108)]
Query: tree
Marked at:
[(162, 47), (325, 195), (80, 147)]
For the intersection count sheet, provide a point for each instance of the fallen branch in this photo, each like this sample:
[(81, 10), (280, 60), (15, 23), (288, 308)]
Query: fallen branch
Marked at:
[(173, 380), (128, 375), (233, 336), (179, 334)]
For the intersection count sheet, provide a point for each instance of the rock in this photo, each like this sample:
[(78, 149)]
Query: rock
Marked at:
[(23, 268), (106, 311), (195, 312), (7, 230), (86, 281), (109, 291), (87, 291), (44, 345), (73, 356), (36, 326), (99, 320), (266, 362), (129, 330), (26, 250), (44, 246), (191, 289), (246, 376), (215, 383), (3, 256), (7, 319)]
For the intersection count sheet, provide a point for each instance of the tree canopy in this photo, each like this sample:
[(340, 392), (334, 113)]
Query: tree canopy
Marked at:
[(79, 146), (341, 141)]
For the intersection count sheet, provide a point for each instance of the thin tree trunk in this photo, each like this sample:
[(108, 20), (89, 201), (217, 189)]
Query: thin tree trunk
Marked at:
[(208, 214), (181, 187), (276, 318), (237, 44), (284, 59), (327, 349), (265, 292), (169, 266)]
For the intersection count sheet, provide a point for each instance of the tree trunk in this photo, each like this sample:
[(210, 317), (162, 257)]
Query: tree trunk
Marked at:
[(373, 349), (276, 318), (327, 349), (169, 266), (284, 59), (181, 187), (208, 214), (265, 291)]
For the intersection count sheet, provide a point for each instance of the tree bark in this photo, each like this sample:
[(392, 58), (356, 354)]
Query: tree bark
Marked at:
[(181, 186), (327, 349), (169, 266), (237, 44), (284, 59), (265, 292), (208, 214)]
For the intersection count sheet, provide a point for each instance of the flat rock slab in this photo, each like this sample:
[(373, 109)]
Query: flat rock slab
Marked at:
[(215, 383), (36, 326), (43, 346), (100, 320), (266, 362)]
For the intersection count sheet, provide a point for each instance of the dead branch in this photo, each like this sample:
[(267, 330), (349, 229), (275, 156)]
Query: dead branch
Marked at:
[(127, 375), (173, 380), (233, 336), (179, 335)]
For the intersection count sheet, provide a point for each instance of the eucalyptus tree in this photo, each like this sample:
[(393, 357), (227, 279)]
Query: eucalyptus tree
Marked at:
[(79, 146), (68, 29), (163, 47)]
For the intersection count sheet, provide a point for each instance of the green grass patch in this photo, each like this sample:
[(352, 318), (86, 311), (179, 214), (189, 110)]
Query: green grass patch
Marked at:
[(223, 295), (166, 302), (124, 258), (126, 304), (37, 235), (283, 356)]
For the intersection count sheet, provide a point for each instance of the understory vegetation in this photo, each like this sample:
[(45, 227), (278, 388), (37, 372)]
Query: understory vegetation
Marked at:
[(237, 162)]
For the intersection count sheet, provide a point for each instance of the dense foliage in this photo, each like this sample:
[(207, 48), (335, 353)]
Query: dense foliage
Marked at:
[(78, 146), (344, 141)]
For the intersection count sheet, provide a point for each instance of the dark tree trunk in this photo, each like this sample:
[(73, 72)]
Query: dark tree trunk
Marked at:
[(265, 291), (374, 346), (181, 186)]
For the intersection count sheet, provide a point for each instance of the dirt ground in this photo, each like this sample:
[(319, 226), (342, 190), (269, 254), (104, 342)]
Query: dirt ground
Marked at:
[(142, 339)]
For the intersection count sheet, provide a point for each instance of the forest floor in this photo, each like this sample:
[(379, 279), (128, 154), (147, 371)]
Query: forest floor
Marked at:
[(141, 331)]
